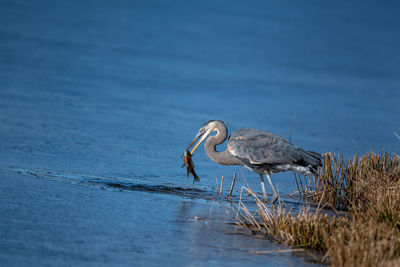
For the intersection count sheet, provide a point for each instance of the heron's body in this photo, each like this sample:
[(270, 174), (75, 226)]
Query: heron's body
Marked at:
[(259, 151), (262, 151)]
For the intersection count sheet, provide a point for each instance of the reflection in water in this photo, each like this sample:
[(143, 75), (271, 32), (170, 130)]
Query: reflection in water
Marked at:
[(200, 216), (196, 227), (124, 184)]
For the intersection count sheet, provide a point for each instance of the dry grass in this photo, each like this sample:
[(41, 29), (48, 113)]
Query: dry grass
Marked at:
[(368, 187), (343, 184)]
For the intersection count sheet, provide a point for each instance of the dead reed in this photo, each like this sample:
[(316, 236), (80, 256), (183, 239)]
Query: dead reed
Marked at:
[(342, 184), (368, 234)]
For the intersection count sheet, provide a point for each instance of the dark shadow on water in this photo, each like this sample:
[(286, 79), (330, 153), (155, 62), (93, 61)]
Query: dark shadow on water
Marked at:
[(166, 189), (182, 190), (123, 184)]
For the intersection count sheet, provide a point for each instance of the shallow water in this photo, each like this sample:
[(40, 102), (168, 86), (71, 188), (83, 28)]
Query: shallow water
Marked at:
[(106, 95)]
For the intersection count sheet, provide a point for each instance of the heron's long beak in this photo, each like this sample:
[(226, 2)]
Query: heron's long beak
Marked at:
[(203, 136)]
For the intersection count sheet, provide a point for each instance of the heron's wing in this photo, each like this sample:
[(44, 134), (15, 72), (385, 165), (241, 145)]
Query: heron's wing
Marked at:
[(261, 147)]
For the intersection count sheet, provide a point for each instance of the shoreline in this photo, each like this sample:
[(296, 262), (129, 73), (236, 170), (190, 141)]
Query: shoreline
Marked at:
[(366, 234)]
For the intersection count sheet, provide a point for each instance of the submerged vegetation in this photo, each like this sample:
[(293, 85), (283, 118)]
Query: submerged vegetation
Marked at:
[(366, 230)]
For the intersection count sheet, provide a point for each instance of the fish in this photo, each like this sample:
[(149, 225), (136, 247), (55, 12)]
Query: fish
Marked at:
[(188, 162)]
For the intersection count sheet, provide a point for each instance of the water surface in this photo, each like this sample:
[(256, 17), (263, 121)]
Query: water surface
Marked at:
[(99, 99)]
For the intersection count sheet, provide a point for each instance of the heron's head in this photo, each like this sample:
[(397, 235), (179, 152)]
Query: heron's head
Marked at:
[(205, 130)]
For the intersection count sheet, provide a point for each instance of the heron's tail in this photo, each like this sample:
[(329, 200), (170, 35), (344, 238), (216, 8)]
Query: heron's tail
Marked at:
[(313, 160)]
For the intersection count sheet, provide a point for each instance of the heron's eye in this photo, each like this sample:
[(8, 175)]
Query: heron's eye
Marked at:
[(202, 130)]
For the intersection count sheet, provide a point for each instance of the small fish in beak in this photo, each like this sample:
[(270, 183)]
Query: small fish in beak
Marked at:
[(187, 161)]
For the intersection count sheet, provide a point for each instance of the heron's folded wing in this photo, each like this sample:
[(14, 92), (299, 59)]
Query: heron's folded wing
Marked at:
[(260, 147)]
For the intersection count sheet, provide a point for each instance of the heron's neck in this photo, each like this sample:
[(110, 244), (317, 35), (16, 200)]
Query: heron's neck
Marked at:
[(223, 157)]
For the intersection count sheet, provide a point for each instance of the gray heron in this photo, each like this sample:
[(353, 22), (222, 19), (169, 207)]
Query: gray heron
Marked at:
[(259, 151)]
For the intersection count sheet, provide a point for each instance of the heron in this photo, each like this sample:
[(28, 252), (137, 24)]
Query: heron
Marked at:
[(259, 151)]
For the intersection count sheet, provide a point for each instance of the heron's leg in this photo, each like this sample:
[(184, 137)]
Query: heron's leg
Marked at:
[(263, 186), (275, 197)]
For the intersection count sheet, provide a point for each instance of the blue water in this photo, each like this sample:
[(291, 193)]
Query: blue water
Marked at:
[(115, 90)]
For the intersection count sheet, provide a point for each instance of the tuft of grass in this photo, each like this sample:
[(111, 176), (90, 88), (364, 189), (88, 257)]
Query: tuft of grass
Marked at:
[(342, 184), (367, 234)]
